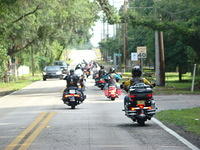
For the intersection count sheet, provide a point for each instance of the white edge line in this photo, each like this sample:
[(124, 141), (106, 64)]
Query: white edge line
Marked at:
[(180, 138)]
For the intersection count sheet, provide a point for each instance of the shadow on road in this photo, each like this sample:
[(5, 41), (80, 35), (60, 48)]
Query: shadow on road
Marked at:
[(133, 125)]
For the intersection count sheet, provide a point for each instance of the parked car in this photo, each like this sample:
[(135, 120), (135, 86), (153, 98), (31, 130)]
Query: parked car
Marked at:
[(63, 65), (52, 72)]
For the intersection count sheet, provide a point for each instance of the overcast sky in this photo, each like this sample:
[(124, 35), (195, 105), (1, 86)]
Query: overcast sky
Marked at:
[(98, 28)]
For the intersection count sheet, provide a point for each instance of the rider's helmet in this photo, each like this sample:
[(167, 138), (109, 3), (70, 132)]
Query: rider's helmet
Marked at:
[(101, 67), (112, 70), (71, 71), (136, 71)]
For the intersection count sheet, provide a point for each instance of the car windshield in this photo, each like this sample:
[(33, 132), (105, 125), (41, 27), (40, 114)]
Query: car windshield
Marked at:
[(60, 63), (52, 68)]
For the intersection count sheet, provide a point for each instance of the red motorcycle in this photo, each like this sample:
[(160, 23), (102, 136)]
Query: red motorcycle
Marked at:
[(112, 92)]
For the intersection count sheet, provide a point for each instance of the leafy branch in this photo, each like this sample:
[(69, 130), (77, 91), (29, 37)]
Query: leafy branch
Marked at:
[(27, 14)]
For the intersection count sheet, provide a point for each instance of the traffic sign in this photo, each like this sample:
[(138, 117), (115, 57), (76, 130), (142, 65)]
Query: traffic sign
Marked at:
[(134, 57), (142, 51), (142, 55)]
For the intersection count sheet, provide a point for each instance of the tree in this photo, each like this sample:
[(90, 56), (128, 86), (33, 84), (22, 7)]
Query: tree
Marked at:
[(180, 22), (25, 28)]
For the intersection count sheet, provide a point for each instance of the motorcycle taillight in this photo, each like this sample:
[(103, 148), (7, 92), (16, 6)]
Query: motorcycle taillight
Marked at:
[(132, 97), (149, 96), (111, 87)]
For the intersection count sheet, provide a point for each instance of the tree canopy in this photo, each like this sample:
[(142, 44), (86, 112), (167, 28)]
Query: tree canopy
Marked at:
[(44, 28), (179, 20)]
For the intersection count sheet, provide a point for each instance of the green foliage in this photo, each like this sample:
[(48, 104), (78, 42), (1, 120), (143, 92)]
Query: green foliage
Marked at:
[(187, 119), (178, 19), (110, 45), (46, 27), (3, 62), (110, 12), (21, 82)]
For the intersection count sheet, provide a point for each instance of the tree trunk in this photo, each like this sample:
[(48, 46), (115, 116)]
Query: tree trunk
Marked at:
[(180, 73), (32, 62)]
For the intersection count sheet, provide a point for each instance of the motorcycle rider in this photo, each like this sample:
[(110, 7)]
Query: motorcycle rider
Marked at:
[(72, 81), (100, 74), (136, 78), (101, 71), (79, 72), (111, 78)]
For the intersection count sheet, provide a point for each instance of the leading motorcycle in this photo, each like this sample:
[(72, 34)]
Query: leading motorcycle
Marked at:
[(139, 104)]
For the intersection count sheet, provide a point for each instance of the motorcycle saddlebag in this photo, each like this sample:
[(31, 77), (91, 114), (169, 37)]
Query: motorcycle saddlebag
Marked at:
[(141, 93)]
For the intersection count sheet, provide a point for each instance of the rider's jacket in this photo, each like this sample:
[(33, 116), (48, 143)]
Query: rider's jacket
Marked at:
[(72, 80), (135, 80), (101, 73), (112, 78)]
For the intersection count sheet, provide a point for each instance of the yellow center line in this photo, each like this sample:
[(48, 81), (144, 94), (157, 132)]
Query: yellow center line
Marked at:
[(16, 141), (36, 132)]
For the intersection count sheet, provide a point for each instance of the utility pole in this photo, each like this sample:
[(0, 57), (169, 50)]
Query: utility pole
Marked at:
[(107, 36), (125, 36), (160, 59), (103, 37)]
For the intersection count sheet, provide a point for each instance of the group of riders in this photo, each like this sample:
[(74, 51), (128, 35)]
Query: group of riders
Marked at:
[(76, 77)]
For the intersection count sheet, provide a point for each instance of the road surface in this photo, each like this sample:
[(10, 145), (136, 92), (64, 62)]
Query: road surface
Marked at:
[(97, 124)]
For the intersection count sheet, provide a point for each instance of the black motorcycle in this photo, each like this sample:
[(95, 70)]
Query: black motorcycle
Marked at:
[(72, 96), (139, 104)]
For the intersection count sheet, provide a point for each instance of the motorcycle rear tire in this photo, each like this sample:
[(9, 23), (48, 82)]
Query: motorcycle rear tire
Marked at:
[(141, 122), (112, 98), (73, 107)]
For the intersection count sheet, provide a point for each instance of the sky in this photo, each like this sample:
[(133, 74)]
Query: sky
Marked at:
[(97, 30)]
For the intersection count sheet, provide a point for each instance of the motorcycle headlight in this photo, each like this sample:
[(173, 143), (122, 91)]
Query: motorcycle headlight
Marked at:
[(44, 73)]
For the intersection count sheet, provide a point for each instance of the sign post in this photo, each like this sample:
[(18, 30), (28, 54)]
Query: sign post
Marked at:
[(116, 59), (142, 53)]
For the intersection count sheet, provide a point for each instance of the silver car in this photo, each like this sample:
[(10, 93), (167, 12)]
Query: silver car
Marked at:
[(52, 72)]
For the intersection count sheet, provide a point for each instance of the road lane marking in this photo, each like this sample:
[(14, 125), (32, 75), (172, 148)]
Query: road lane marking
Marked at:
[(180, 138), (26, 137), (16, 141), (36, 132)]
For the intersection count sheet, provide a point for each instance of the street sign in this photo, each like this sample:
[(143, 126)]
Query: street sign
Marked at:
[(142, 55), (134, 57), (142, 51)]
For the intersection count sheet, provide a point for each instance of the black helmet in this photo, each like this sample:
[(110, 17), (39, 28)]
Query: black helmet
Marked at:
[(136, 72), (71, 71), (112, 70), (102, 67)]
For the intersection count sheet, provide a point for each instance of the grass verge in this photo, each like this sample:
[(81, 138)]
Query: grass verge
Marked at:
[(20, 83), (186, 119)]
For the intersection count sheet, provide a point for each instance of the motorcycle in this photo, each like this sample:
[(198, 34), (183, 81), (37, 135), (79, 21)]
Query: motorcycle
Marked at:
[(101, 83), (139, 104), (112, 92), (72, 96)]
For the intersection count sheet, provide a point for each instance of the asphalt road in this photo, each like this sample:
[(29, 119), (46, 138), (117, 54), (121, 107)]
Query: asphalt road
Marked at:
[(35, 118)]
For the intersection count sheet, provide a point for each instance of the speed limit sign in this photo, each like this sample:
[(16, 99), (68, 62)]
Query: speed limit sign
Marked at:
[(142, 51)]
